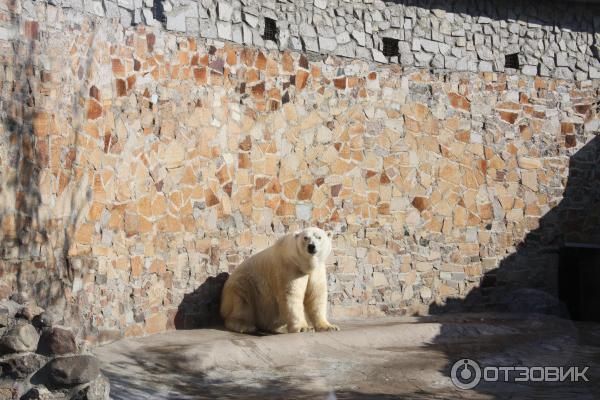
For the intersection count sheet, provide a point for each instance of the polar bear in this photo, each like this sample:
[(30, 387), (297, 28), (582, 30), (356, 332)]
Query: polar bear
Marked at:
[(282, 288)]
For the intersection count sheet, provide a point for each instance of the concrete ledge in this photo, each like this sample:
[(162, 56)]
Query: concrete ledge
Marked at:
[(382, 358)]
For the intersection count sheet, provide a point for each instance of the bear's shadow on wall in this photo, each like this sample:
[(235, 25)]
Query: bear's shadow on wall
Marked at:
[(200, 308)]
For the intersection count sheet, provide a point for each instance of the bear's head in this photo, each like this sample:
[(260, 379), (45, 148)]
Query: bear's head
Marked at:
[(314, 243)]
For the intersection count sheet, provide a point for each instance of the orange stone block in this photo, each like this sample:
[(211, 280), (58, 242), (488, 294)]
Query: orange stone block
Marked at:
[(95, 212), (94, 109), (118, 68), (84, 234), (41, 122), (301, 79), (131, 82), (509, 117), (136, 266), (306, 192), (566, 127), (458, 101), (200, 75), (156, 323), (463, 136), (273, 187), (420, 203), (252, 75), (210, 198), (258, 90), (31, 29), (340, 83), (260, 182), (508, 105), (231, 57), (261, 61), (244, 161), (248, 56), (121, 87), (285, 209), (246, 144), (288, 62)]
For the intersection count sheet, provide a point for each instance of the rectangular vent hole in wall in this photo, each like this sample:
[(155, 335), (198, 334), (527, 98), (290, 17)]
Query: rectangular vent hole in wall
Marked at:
[(390, 47), (511, 61), (158, 11), (270, 30), (579, 280)]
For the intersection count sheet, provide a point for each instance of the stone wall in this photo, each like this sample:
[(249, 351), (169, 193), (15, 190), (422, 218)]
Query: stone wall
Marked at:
[(551, 38), (136, 163)]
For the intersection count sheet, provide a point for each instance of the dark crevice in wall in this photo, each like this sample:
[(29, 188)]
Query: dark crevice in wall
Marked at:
[(158, 11)]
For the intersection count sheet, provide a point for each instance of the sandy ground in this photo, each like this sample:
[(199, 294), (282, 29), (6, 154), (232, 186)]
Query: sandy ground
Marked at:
[(370, 359)]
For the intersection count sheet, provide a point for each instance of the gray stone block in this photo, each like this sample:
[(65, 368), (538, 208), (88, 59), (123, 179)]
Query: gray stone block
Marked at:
[(247, 34), (343, 38), (423, 59), (111, 9), (307, 30), (224, 30), (346, 50), (562, 59), (359, 36), (148, 17), (125, 17), (236, 33), (429, 46), (127, 4), (530, 70), (327, 44), (251, 20), (322, 4), (378, 56), (310, 44), (176, 21), (225, 10), (208, 29)]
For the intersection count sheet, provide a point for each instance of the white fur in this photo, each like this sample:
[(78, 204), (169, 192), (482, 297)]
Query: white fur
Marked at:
[(282, 288)]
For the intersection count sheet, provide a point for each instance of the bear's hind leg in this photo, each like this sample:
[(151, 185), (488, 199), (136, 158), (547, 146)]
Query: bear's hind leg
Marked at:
[(241, 317)]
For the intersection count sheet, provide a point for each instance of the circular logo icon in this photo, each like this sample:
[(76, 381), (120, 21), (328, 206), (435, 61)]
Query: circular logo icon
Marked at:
[(465, 374)]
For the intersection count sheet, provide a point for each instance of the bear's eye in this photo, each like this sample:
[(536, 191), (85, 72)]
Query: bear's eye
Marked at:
[(318, 237), (305, 237)]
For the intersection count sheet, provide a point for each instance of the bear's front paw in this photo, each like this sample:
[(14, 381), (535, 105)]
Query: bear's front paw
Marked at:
[(328, 328), (299, 328)]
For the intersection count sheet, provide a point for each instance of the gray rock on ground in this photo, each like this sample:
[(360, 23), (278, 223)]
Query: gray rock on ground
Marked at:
[(57, 341), (98, 389), (41, 393), (18, 339), (67, 372), (19, 365)]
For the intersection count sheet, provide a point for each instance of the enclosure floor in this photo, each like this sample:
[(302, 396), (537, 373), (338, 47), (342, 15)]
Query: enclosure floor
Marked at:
[(375, 358)]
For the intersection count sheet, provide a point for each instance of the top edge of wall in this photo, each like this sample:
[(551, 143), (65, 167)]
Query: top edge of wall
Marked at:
[(559, 39)]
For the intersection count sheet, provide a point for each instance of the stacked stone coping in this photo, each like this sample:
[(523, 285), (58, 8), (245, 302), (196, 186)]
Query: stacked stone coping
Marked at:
[(555, 39)]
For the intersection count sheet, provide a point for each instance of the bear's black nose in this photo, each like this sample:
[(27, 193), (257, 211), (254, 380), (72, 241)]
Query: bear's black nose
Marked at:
[(312, 249)]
